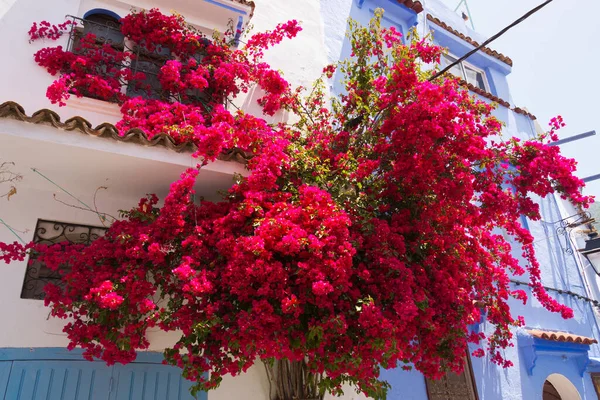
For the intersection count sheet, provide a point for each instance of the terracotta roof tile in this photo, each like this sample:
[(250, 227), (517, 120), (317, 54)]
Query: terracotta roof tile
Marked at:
[(496, 99), (12, 110), (416, 6), (483, 93), (561, 337), (472, 42), (522, 111), (247, 3)]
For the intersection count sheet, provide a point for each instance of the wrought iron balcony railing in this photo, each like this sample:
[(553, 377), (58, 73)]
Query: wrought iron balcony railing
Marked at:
[(139, 59)]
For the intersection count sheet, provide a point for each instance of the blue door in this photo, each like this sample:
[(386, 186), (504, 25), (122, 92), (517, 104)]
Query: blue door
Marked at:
[(75, 379), (149, 382), (58, 380), (5, 367)]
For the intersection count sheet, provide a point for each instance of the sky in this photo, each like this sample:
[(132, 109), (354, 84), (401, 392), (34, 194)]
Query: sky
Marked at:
[(555, 53)]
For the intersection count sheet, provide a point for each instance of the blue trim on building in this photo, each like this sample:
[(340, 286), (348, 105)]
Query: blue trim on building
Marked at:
[(393, 22), (62, 353), (594, 365), (491, 81), (238, 30), (102, 11), (227, 7), (398, 25), (406, 14), (459, 47), (476, 327), (532, 348), (524, 222)]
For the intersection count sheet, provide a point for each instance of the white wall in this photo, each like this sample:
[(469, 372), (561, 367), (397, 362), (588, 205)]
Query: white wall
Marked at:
[(23, 81), (26, 322)]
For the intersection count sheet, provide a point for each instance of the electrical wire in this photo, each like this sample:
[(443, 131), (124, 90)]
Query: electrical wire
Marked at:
[(560, 291), (12, 230), (61, 188), (490, 40)]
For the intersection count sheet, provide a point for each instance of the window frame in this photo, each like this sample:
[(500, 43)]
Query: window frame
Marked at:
[(465, 64), (30, 290), (78, 32), (139, 63), (150, 88), (141, 55)]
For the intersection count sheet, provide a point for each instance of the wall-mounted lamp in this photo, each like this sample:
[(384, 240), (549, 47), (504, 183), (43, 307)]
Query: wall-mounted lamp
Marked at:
[(592, 251)]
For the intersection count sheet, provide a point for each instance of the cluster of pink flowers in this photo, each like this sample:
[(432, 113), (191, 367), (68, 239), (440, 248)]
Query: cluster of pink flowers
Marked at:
[(197, 78), (106, 296), (262, 41), (46, 30), (364, 235), (13, 251)]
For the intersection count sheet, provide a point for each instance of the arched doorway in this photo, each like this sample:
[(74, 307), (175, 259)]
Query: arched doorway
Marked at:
[(550, 392), (558, 387)]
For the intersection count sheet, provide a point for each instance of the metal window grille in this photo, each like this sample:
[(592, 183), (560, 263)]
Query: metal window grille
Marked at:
[(108, 31), (38, 274)]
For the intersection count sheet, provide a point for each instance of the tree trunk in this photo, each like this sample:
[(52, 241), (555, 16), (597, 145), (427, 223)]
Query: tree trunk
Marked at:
[(292, 380)]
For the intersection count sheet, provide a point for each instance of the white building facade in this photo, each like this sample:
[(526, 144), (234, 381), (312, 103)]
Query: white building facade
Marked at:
[(65, 154)]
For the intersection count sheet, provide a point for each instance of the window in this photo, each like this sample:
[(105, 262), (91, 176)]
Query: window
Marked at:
[(106, 29), (149, 63), (453, 386), (125, 54), (467, 72), (46, 232)]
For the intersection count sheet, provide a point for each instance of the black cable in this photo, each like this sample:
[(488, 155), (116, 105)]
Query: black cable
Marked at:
[(490, 40), (561, 291)]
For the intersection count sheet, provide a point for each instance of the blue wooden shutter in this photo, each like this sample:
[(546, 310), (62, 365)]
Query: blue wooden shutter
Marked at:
[(139, 381), (5, 367), (58, 380)]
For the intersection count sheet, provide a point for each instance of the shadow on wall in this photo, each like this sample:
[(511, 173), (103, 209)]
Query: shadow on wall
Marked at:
[(514, 383), (406, 385), (250, 106), (487, 378), (559, 270), (359, 15)]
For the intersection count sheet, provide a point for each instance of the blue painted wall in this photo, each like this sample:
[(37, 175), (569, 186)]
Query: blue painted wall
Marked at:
[(560, 263), (396, 15)]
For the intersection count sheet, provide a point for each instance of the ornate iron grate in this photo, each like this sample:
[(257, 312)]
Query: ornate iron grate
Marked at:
[(107, 31), (47, 232)]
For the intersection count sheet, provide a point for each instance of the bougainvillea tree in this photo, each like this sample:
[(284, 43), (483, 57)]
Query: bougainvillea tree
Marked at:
[(369, 233)]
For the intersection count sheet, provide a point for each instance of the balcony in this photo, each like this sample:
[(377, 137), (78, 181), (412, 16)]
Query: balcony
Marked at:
[(100, 34)]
